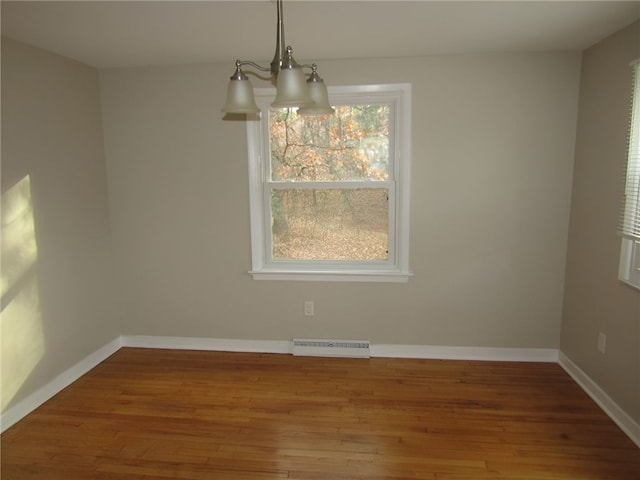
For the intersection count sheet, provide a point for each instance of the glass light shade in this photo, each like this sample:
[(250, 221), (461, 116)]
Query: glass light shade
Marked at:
[(320, 96), (240, 97), (292, 90)]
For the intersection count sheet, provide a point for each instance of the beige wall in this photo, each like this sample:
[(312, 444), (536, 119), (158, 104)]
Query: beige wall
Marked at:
[(493, 143), (57, 295), (595, 301)]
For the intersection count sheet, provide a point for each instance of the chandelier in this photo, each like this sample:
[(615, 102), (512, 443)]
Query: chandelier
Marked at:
[(293, 89)]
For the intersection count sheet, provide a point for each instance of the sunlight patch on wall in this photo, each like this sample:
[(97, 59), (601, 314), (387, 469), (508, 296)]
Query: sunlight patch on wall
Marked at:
[(22, 336)]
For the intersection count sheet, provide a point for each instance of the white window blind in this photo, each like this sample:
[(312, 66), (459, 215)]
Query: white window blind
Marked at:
[(630, 215)]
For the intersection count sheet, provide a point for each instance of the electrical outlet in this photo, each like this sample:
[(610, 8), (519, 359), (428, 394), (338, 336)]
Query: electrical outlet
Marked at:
[(308, 308), (602, 342)]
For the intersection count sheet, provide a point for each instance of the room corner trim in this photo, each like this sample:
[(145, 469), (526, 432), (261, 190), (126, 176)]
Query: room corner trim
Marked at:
[(621, 418), (21, 409)]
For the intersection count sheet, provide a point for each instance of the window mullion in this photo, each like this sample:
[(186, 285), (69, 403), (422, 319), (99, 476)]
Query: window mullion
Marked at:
[(327, 185)]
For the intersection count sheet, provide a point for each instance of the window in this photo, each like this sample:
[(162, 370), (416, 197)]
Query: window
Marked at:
[(630, 223), (329, 196)]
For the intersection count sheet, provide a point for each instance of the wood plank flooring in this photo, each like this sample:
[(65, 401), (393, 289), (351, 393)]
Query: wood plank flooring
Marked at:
[(166, 414)]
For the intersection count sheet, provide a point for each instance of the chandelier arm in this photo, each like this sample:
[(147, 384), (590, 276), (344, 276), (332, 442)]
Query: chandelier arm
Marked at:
[(242, 63)]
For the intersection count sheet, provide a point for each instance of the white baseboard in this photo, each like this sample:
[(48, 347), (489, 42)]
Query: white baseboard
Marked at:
[(434, 352), (21, 409), (611, 408), (196, 343), (379, 350)]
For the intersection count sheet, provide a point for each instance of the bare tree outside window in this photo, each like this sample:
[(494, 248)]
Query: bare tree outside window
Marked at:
[(329, 184)]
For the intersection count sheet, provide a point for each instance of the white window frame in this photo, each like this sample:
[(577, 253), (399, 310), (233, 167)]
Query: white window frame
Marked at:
[(396, 269), (629, 270)]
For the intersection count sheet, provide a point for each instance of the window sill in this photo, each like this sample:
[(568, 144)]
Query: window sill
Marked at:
[(628, 283), (332, 275)]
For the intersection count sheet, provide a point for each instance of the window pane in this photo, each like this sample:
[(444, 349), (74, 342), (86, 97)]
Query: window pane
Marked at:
[(330, 224), (351, 145)]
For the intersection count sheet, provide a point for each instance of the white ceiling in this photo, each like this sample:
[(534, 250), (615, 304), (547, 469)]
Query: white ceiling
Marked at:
[(141, 33)]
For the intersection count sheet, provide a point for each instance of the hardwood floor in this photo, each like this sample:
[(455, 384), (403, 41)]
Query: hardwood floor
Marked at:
[(165, 414)]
